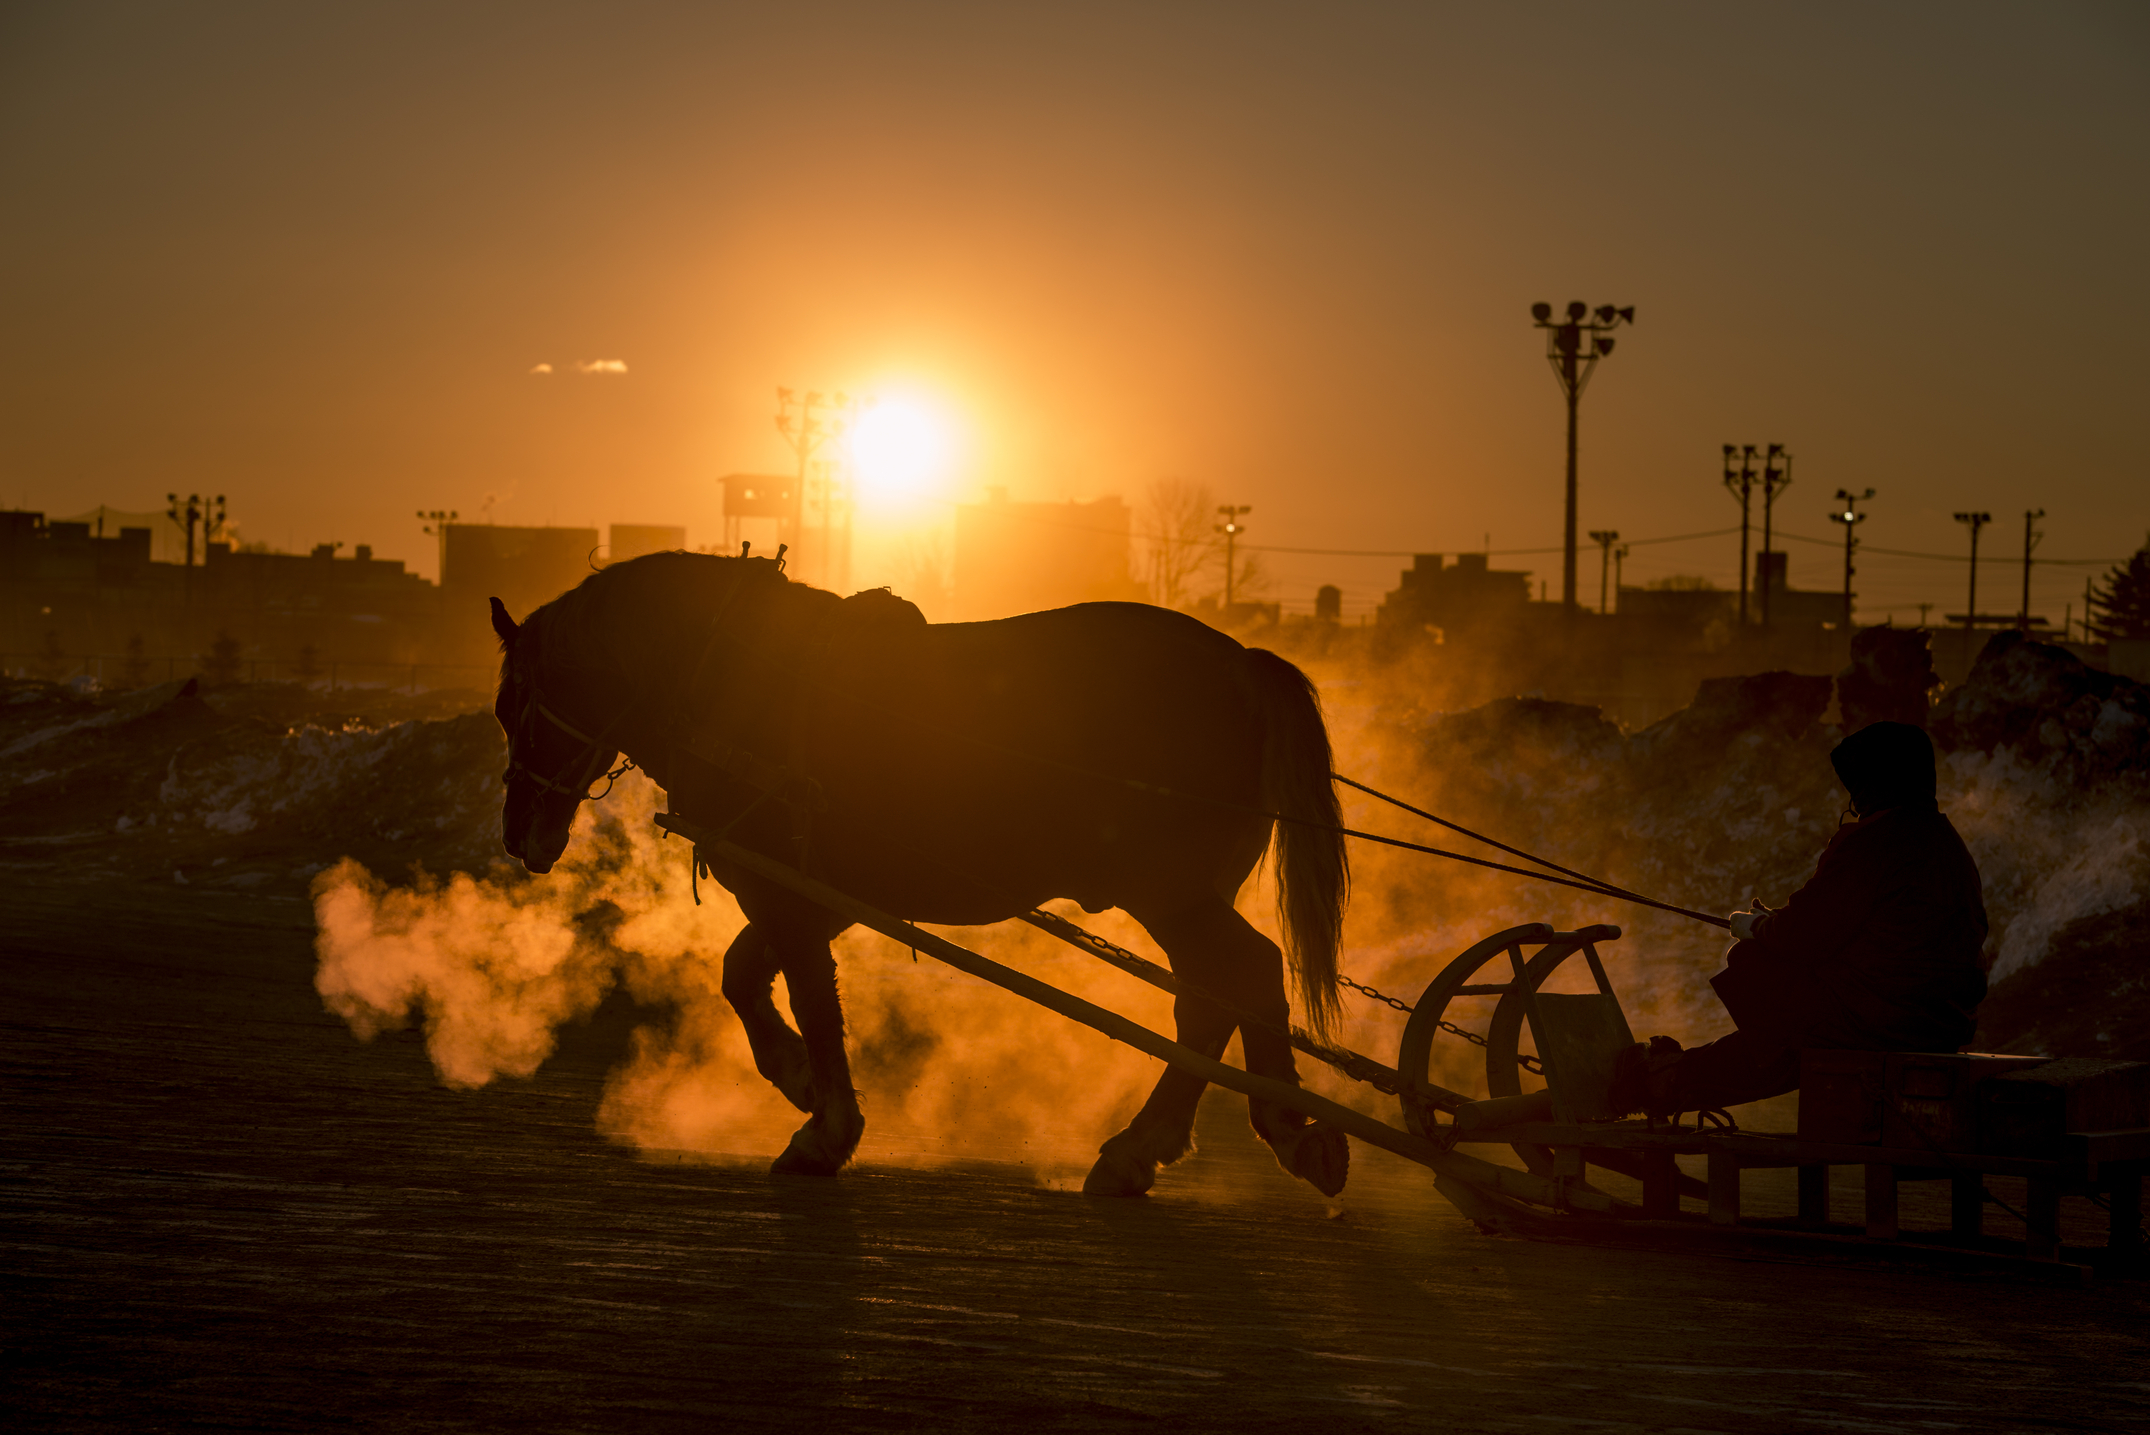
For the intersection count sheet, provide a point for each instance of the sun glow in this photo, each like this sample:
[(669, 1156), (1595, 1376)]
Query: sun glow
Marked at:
[(902, 450)]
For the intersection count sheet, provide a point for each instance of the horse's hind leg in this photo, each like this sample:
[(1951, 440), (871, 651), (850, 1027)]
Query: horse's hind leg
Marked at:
[(824, 1144), (750, 967), (1214, 949), (1163, 1130)]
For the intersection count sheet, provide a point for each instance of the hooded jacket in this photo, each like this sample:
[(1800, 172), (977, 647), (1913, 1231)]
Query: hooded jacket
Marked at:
[(1878, 951)]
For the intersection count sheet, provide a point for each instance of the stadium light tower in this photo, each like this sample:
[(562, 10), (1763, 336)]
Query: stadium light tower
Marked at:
[(1739, 482), (1573, 347), (806, 425), (1231, 528), (1848, 514), (1776, 477), (436, 523)]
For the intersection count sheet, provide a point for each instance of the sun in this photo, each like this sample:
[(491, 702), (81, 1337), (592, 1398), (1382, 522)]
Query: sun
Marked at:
[(901, 449)]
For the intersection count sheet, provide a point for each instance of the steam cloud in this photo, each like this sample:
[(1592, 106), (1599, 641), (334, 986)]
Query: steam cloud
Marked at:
[(948, 1067), (1700, 811)]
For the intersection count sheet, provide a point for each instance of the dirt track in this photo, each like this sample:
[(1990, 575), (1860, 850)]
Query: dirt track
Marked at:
[(221, 1211)]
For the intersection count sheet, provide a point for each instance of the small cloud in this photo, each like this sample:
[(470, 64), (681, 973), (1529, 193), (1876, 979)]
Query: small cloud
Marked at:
[(541, 368), (601, 366)]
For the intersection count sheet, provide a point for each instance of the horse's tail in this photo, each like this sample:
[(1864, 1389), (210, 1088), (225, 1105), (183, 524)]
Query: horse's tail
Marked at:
[(1313, 876)]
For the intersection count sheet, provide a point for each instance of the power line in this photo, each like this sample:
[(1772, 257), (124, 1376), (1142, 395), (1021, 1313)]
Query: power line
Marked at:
[(1865, 547)]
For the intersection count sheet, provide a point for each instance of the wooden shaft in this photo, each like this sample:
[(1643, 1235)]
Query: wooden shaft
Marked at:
[(1372, 1131), (1724, 1187), (1880, 1201), (1814, 1195), (1966, 1205)]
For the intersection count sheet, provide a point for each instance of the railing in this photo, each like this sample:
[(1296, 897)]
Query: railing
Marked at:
[(129, 671)]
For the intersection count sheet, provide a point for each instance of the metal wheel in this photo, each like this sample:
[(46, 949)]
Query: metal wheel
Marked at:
[(1503, 1034)]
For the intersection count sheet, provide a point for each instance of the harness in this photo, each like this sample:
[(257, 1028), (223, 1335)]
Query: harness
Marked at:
[(769, 780), (536, 710)]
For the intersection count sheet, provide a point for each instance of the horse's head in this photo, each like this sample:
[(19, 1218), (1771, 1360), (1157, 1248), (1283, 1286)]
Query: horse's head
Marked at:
[(551, 761)]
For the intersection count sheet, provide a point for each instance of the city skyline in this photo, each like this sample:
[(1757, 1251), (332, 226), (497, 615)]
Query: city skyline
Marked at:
[(310, 261)]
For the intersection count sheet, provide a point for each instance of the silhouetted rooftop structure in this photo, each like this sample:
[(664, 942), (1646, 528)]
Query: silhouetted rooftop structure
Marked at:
[(522, 567), (1022, 557), (1454, 595), (633, 540)]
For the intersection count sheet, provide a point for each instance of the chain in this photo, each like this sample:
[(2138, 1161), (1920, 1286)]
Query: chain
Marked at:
[(1366, 991), (1530, 1064)]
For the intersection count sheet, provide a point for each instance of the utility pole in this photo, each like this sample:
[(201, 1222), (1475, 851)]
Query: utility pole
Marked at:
[(806, 425), (1231, 530), (1975, 521), (1619, 563), (2030, 541), (1774, 481), (1739, 482), (1850, 516), (1573, 348), (1605, 538), (205, 514)]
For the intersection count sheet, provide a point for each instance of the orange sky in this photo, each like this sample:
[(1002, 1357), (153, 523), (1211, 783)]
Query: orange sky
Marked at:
[(306, 256)]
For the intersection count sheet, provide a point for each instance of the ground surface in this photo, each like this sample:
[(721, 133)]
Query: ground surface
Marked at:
[(221, 1211)]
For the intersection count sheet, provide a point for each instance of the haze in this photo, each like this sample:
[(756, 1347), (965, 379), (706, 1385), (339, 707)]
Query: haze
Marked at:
[(308, 257)]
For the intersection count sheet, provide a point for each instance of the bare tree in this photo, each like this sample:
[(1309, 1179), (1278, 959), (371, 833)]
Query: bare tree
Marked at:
[(1252, 581), (1179, 538)]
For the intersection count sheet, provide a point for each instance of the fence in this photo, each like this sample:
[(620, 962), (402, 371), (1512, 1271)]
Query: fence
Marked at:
[(129, 671)]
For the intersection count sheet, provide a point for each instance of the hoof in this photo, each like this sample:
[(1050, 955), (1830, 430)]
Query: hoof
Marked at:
[(1317, 1153), (1119, 1171), (1322, 1159), (814, 1151)]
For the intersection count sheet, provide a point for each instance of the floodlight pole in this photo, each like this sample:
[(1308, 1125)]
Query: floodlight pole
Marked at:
[(806, 425), (1605, 538), (1573, 347), (1739, 482), (2030, 541), (436, 526), (1974, 521), (1850, 516), (1774, 481), (1231, 530)]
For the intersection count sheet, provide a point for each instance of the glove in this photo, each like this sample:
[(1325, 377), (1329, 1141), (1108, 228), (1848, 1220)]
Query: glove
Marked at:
[(1746, 924)]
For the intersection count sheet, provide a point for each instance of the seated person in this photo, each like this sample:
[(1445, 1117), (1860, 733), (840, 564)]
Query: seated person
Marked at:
[(1879, 951)]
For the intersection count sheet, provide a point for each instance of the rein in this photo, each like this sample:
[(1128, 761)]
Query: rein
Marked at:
[(537, 709), (770, 779)]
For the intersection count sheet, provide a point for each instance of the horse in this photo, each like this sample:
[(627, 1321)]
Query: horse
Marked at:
[(1116, 754)]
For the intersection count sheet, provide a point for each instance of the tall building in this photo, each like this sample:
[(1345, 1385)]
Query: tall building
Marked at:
[(1023, 557), (522, 567), (632, 540)]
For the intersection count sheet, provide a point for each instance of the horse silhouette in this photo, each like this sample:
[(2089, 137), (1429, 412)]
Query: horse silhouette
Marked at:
[(1116, 754)]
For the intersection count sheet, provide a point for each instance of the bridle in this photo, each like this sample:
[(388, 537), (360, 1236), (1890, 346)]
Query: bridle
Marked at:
[(536, 708), (536, 711)]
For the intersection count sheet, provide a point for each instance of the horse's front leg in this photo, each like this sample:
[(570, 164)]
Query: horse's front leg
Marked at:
[(824, 1144), (750, 967), (1216, 952)]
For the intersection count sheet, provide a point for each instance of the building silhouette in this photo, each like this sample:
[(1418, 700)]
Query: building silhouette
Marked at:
[(1022, 557)]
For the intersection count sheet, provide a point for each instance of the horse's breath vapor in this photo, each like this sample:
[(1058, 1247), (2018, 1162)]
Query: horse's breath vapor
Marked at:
[(952, 1069)]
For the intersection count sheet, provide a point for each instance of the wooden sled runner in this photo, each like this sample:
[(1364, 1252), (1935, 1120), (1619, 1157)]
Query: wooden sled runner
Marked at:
[(2069, 1128)]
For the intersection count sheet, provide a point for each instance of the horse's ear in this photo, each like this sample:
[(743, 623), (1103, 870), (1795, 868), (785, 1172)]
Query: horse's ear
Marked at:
[(502, 623)]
